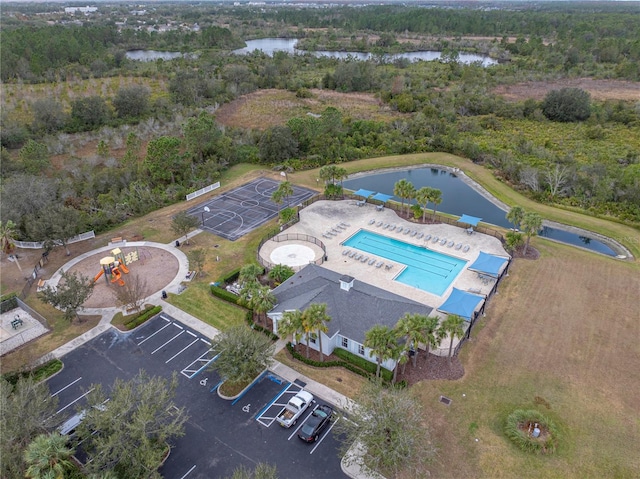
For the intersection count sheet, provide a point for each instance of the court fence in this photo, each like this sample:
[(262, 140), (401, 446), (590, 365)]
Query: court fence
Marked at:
[(278, 238), (202, 191), (40, 244)]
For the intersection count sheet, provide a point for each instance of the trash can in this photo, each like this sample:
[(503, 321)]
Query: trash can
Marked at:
[(177, 244), (164, 294)]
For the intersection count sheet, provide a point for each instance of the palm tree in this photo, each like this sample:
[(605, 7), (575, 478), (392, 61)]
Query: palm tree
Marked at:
[(250, 272), (515, 216), (381, 340), (531, 224), (398, 354), (280, 273), (316, 319), (423, 195), (436, 199), (452, 327), (411, 327), (405, 190), (48, 457), (7, 236), (284, 191), (430, 332), (291, 324), (332, 173), (262, 301)]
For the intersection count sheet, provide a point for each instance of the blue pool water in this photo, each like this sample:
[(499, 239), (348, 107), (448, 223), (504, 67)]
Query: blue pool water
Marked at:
[(425, 269)]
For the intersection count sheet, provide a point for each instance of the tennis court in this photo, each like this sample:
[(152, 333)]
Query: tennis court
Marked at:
[(241, 210)]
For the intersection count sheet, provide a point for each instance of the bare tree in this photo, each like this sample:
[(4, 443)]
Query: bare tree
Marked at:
[(530, 178), (132, 295), (197, 258), (558, 179)]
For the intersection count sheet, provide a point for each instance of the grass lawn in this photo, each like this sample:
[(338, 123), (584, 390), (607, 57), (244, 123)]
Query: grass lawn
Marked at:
[(198, 301), (626, 235), (560, 337)]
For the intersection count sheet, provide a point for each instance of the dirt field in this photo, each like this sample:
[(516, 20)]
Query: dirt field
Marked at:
[(264, 108), (599, 89)]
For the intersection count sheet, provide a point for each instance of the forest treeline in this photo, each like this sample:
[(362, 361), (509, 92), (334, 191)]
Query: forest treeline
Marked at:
[(566, 149)]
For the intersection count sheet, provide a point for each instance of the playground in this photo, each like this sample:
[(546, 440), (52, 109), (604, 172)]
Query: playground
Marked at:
[(155, 266)]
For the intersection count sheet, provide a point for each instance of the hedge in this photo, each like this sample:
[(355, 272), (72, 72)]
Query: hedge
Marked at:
[(224, 294), (386, 374), (253, 325), (8, 302), (137, 320), (362, 363), (230, 277), (39, 373)]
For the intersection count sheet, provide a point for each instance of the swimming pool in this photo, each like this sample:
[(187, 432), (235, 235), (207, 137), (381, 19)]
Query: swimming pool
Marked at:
[(425, 269)]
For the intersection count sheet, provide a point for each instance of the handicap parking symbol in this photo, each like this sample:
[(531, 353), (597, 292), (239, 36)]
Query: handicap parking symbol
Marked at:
[(246, 408), (203, 382)]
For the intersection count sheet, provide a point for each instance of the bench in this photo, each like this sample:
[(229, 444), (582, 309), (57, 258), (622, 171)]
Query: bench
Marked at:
[(16, 322)]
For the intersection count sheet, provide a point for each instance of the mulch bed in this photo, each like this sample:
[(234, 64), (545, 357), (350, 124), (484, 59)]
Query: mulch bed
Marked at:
[(433, 367)]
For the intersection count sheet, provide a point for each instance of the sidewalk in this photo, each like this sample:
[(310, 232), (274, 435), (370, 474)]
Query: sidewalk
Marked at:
[(285, 372)]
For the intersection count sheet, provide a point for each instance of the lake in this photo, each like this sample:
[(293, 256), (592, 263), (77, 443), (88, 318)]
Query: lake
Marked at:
[(270, 45), (459, 198)]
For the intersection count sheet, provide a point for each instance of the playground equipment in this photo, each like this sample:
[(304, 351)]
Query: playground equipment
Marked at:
[(117, 276)]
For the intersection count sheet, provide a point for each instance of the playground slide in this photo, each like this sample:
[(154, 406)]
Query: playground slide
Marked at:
[(123, 268), (97, 276), (117, 277)]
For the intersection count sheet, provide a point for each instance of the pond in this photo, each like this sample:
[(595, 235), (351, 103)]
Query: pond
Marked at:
[(270, 45), (153, 55), (460, 198)]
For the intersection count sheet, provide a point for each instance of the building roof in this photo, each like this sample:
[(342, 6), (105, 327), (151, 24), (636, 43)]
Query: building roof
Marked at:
[(353, 312)]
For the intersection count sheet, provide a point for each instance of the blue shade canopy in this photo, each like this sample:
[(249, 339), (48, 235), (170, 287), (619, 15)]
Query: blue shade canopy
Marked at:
[(470, 220), (461, 303), (381, 197), (488, 264), (363, 192)]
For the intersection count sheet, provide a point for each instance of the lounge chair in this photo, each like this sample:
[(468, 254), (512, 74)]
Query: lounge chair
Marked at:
[(345, 252), (413, 233), (459, 245), (346, 225), (335, 231), (371, 261), (443, 241), (407, 231), (365, 259), (435, 239), (340, 227), (386, 225), (450, 244), (420, 235), (399, 229), (379, 224), (357, 257), (372, 221), (427, 238), (466, 248), (392, 227), (352, 254), (325, 235), (388, 267), (378, 265)]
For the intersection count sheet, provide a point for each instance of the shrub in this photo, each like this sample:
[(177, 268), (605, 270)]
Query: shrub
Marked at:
[(520, 425), (8, 302), (39, 373), (567, 105), (138, 319), (224, 294)]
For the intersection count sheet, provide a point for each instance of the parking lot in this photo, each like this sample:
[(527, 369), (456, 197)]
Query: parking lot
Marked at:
[(220, 434)]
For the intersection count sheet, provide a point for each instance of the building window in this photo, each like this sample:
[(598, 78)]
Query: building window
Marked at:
[(312, 340), (345, 343), (360, 349)]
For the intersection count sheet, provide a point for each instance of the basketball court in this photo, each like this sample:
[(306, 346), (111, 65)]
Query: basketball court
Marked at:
[(243, 209)]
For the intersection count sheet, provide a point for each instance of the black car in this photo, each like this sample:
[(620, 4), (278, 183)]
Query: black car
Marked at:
[(317, 421)]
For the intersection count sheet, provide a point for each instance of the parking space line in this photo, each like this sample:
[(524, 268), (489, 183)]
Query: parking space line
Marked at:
[(302, 423), (207, 361), (260, 416), (67, 386), (192, 334), (323, 436), (188, 472), (153, 334), (205, 341), (178, 325), (165, 318), (74, 401), (160, 347), (183, 349)]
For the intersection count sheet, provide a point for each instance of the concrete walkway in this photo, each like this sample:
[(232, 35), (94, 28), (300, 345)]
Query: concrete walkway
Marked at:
[(194, 323)]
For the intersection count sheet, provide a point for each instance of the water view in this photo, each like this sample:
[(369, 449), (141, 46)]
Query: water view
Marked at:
[(459, 198), (271, 45)]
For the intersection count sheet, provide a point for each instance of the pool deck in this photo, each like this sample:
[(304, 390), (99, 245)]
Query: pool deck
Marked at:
[(323, 216)]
